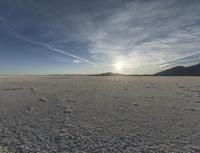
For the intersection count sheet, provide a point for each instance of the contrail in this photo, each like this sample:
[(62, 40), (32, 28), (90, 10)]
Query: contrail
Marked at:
[(54, 49)]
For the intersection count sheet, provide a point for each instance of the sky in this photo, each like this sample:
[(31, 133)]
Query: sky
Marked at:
[(96, 36)]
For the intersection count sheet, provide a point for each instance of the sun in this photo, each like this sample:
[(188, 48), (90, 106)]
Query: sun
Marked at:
[(119, 66)]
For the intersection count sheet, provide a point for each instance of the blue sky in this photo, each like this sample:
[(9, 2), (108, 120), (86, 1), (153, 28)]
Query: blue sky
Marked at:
[(94, 36)]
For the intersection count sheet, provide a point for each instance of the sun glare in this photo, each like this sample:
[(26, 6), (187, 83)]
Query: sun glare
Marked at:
[(119, 66)]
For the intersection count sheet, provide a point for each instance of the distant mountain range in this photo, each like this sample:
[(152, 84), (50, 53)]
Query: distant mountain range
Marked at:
[(107, 74), (118, 74), (193, 70)]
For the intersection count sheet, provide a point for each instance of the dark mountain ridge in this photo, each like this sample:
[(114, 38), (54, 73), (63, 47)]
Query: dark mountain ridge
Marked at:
[(193, 70)]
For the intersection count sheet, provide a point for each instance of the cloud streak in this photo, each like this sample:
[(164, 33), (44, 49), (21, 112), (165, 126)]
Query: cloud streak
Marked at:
[(49, 47)]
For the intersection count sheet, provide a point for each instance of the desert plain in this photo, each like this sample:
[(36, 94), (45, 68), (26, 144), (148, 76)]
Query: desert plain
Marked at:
[(99, 114)]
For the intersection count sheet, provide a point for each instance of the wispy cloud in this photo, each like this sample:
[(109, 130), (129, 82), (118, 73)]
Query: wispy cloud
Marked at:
[(150, 34), (77, 61), (49, 47)]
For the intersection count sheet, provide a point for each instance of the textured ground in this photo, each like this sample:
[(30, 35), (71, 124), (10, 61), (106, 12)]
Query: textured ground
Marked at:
[(99, 114)]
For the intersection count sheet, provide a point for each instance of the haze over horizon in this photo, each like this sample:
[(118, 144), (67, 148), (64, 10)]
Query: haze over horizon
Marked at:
[(93, 36)]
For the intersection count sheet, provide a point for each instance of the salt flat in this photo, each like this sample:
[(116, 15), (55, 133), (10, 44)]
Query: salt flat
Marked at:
[(91, 114)]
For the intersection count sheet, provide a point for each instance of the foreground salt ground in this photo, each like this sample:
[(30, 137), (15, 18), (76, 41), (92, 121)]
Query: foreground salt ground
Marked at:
[(99, 114)]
